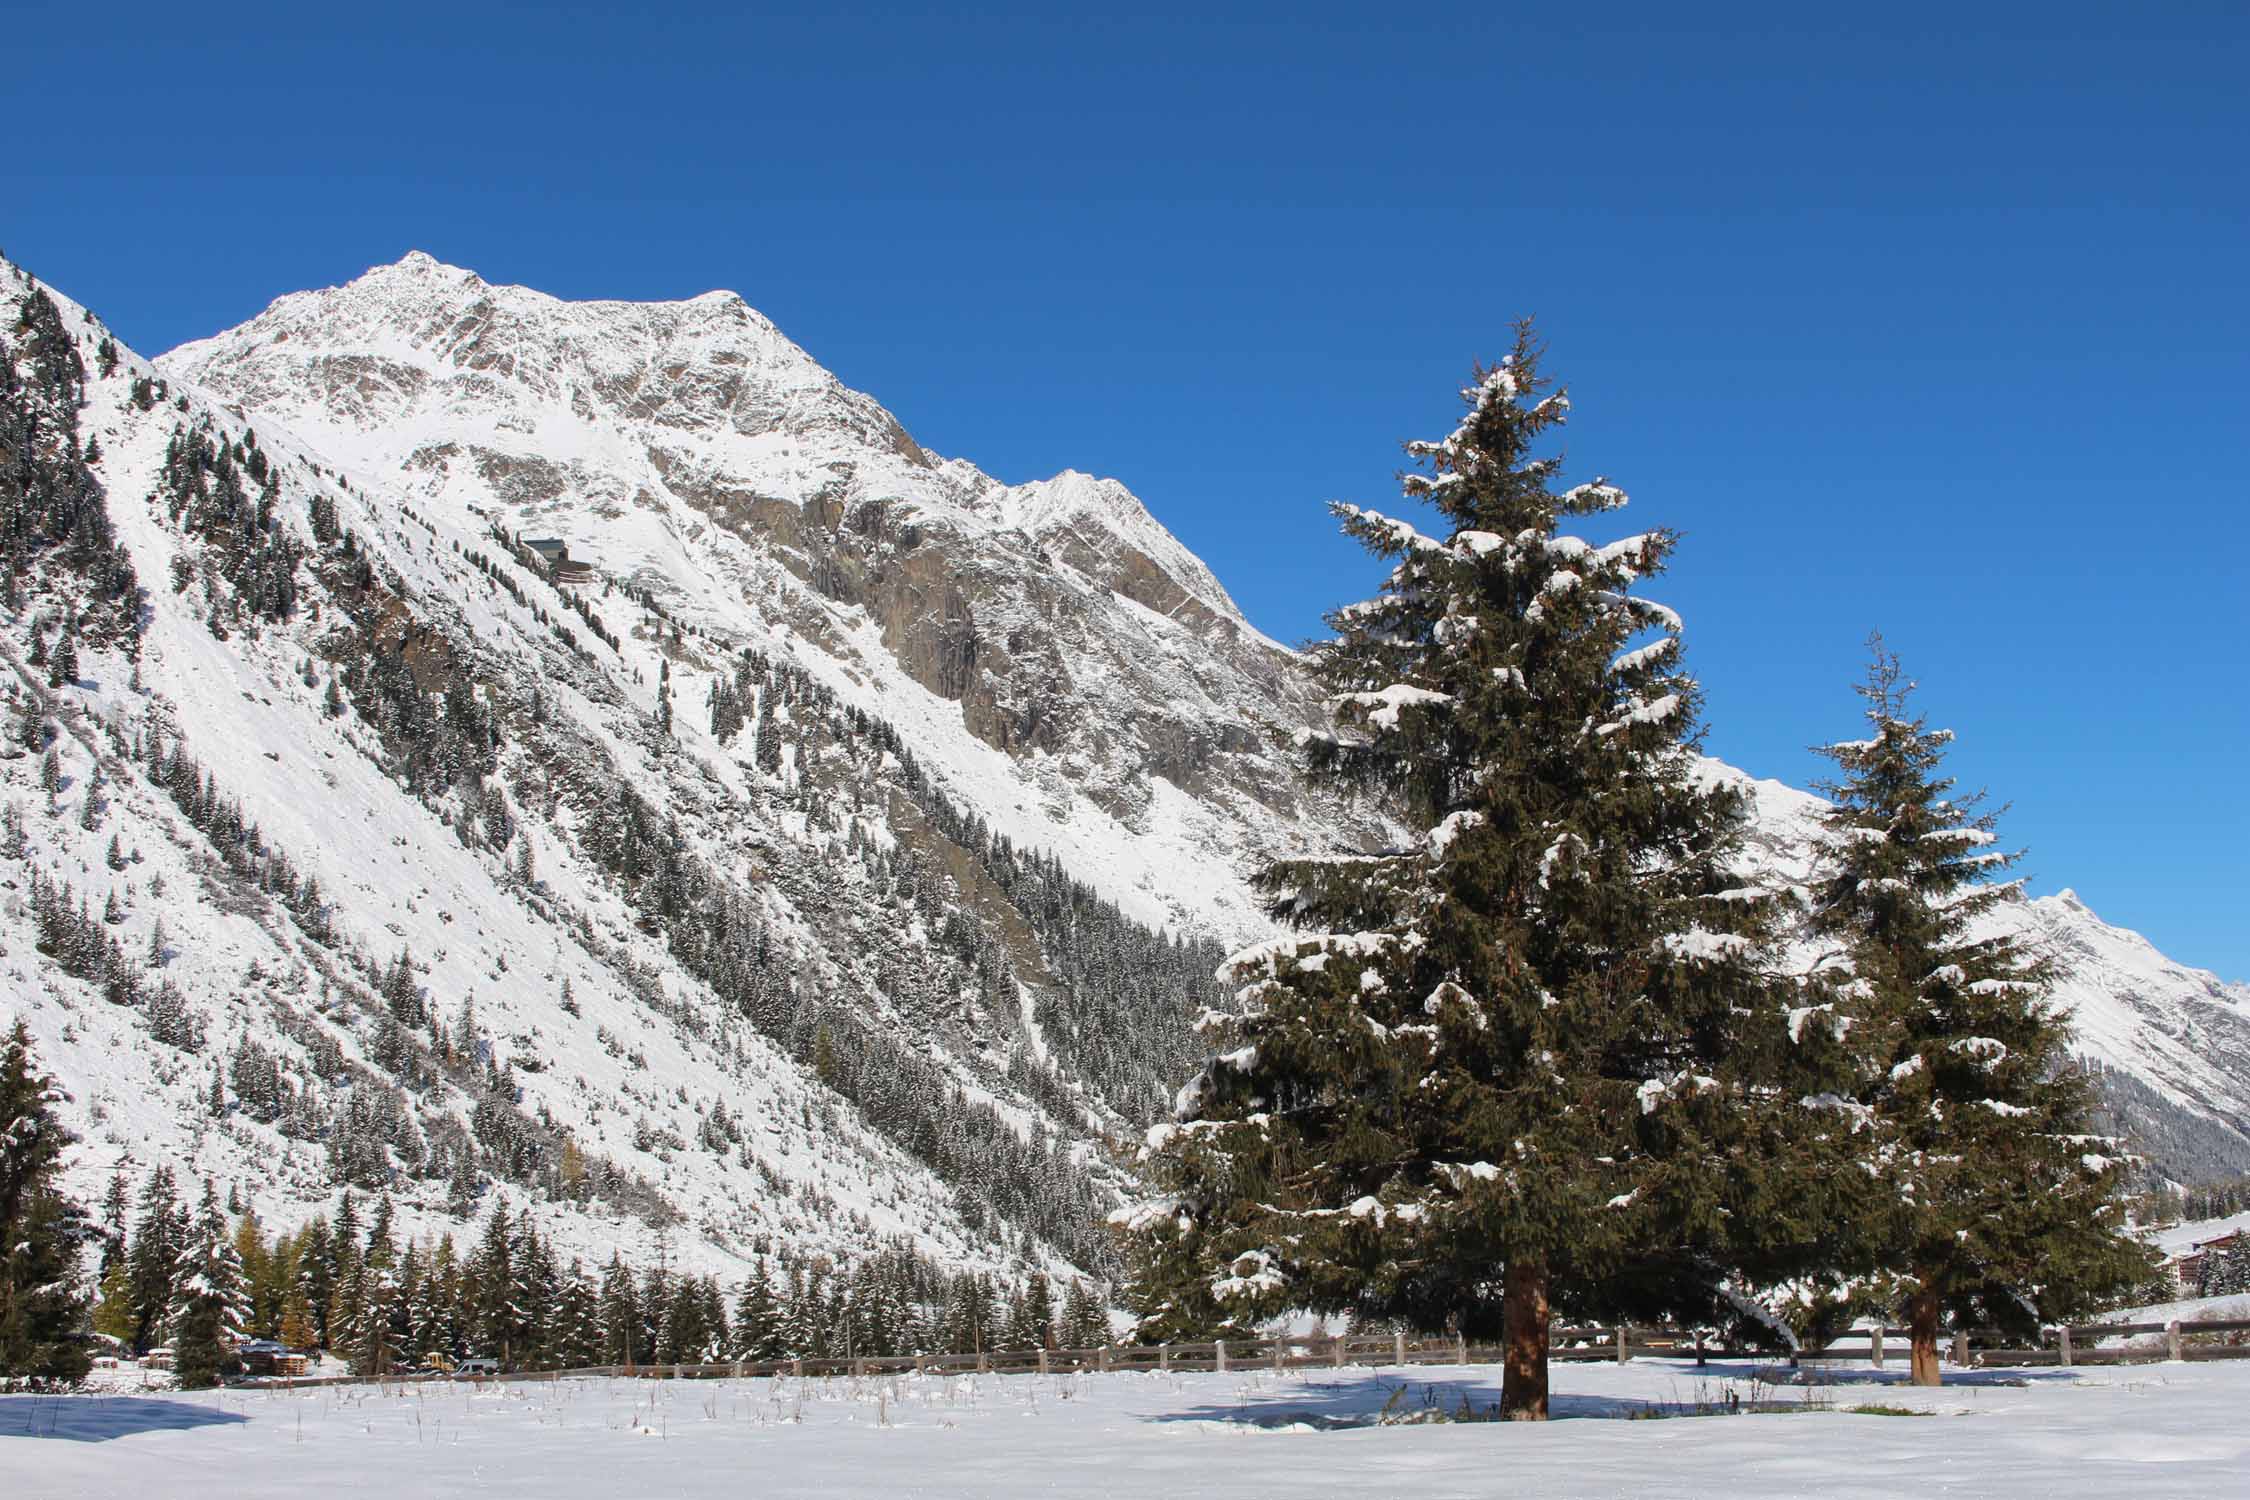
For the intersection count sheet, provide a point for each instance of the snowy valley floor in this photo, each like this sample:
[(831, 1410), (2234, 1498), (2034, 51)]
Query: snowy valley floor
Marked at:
[(2149, 1430)]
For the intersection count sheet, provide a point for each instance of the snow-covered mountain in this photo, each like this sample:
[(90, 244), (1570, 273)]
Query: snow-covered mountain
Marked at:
[(830, 859), (1055, 650)]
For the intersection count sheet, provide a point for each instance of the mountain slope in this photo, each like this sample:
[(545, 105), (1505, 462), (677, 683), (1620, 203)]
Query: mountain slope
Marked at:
[(1056, 653), (688, 940), (835, 865)]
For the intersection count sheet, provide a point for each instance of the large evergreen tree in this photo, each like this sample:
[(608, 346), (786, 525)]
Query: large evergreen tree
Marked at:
[(1992, 1203), (1536, 1059), (42, 1232)]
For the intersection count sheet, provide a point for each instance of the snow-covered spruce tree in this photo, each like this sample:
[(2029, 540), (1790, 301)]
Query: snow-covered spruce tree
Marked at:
[(1991, 1203), (42, 1232), (1538, 1061), (210, 1304)]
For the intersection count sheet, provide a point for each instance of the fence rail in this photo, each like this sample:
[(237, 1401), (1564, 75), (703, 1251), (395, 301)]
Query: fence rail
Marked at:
[(2080, 1344)]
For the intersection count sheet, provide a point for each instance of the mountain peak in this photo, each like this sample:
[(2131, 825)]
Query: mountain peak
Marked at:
[(422, 264)]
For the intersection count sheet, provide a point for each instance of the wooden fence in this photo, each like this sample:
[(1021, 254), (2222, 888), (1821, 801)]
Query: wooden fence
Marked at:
[(2082, 1344)]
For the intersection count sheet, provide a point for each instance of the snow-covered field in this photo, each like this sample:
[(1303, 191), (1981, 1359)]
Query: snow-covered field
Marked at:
[(2152, 1430)]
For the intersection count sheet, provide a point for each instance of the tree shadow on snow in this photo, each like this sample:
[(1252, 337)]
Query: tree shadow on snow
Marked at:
[(97, 1419), (1389, 1400), (1719, 1386)]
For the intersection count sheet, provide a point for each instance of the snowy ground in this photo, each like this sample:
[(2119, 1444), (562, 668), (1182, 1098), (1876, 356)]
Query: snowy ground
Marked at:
[(2155, 1430)]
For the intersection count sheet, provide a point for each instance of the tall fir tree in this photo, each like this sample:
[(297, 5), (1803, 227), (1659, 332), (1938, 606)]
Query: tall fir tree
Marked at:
[(42, 1232), (210, 1303), (430, 1311), (153, 1258), (375, 1319), (620, 1313), (757, 1320), (501, 1316), (1536, 1060), (1084, 1323), (116, 1206), (1993, 1203)]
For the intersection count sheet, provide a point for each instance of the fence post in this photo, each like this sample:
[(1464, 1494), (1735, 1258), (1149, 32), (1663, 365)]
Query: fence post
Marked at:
[(1164, 1358), (1336, 1351), (2172, 1338), (1961, 1347), (1398, 1348), (1042, 1359), (1219, 1355), (1622, 1354), (1105, 1356), (1460, 1346), (2062, 1336), (1278, 1341), (797, 1367), (1875, 1344)]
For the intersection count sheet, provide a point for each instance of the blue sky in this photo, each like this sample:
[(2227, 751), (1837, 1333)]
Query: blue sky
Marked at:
[(1933, 319)]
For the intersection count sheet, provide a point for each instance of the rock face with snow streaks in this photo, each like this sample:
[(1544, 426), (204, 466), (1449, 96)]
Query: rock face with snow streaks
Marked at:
[(691, 449)]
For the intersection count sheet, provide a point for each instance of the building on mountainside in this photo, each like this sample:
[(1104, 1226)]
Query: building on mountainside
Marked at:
[(2213, 1267), (551, 555)]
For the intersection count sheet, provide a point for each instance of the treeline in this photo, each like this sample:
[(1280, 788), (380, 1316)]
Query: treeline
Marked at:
[(229, 494), (575, 601), (2173, 1203), (51, 505), (1117, 997), (378, 1126), (718, 935), (202, 1277)]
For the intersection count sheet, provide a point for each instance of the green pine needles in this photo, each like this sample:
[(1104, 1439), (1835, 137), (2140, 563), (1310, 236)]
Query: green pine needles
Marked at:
[(1539, 1057), (1991, 1203), (42, 1298)]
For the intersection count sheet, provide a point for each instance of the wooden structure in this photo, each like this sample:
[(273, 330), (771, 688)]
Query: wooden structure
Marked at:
[(2081, 1344), (551, 555), (264, 1357)]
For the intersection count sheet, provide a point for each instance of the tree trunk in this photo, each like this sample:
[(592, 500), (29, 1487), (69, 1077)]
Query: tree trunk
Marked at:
[(1922, 1321), (1523, 1311)]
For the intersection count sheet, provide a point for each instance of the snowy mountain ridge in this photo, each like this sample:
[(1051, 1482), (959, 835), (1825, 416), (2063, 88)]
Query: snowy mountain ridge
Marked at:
[(835, 866), (690, 449)]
